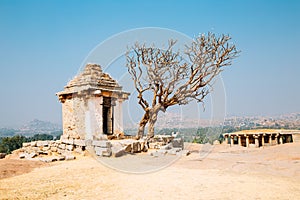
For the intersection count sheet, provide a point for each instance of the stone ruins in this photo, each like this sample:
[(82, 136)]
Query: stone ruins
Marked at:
[(260, 138), (92, 105), (93, 120)]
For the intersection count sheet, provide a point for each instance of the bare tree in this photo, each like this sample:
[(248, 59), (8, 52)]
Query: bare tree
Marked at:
[(170, 80)]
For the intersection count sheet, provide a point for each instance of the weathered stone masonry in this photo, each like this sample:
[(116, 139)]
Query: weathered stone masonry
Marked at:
[(92, 105)]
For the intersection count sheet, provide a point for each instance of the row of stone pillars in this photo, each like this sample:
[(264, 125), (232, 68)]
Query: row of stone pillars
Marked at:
[(256, 139)]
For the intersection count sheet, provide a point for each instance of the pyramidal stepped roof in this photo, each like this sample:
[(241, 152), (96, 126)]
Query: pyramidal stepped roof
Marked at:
[(91, 78)]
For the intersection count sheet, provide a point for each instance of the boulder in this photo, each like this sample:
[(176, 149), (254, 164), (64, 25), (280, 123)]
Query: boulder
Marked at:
[(178, 143), (2, 155)]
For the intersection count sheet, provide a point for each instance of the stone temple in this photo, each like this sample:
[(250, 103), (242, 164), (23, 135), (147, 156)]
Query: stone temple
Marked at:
[(92, 105)]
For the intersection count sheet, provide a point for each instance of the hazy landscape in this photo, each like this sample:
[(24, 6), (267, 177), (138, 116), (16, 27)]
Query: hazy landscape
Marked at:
[(149, 100)]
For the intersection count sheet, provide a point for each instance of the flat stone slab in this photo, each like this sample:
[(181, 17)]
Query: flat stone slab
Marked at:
[(26, 144), (67, 141), (101, 143), (42, 143)]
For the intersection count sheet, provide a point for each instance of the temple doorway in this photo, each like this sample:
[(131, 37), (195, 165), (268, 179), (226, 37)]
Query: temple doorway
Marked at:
[(107, 116)]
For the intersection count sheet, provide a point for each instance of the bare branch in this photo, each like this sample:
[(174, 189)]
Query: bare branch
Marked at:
[(173, 80)]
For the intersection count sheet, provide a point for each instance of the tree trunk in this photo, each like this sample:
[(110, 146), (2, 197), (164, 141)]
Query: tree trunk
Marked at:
[(151, 129), (152, 120), (142, 125)]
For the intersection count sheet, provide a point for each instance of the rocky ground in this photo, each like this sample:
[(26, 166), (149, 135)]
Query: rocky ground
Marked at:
[(220, 172)]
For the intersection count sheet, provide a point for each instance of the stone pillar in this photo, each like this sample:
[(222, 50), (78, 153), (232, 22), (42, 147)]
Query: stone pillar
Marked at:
[(90, 119), (276, 138), (93, 121), (256, 140), (247, 140), (231, 141), (270, 140), (240, 140), (280, 139), (263, 139), (225, 139), (118, 117), (296, 137)]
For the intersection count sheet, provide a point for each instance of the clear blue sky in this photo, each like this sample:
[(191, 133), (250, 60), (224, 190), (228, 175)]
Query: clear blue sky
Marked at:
[(43, 43)]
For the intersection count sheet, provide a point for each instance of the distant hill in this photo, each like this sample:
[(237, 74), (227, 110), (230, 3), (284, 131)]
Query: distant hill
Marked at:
[(7, 132), (33, 127)]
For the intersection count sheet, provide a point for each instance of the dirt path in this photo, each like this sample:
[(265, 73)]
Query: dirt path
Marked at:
[(225, 173), (13, 167)]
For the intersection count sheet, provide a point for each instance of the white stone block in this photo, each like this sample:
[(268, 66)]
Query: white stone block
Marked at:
[(26, 144), (62, 146), (101, 143), (79, 142), (67, 141), (69, 157), (54, 149), (42, 143), (69, 147), (100, 151), (33, 143)]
